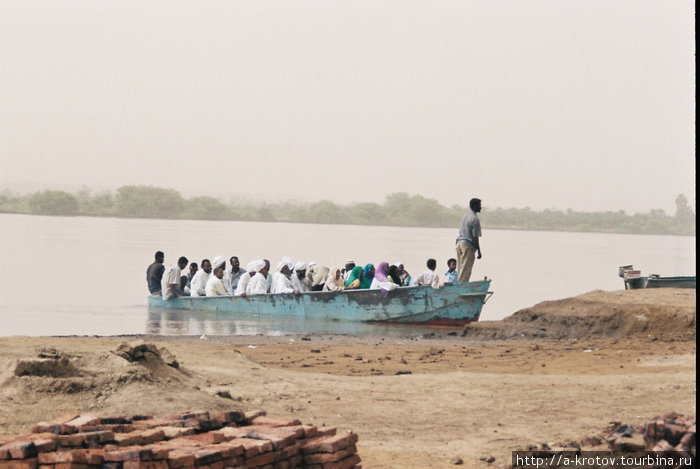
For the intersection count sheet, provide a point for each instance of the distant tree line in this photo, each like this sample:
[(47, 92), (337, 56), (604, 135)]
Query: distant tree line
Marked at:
[(398, 209)]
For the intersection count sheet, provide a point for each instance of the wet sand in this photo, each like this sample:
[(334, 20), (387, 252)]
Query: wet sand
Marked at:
[(415, 402)]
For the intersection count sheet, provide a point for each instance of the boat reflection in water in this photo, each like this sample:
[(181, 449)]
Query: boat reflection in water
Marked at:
[(197, 323)]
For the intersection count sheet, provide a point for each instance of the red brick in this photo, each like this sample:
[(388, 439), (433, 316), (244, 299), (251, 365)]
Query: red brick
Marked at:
[(346, 463), (179, 458), (189, 414), (129, 453), (57, 425), (334, 443), (234, 416), (207, 438), (22, 464), (275, 421), (44, 445), (71, 441), (662, 446), (151, 423), (21, 449), (327, 431), (255, 447), (310, 431), (145, 465), (262, 459), (76, 456), (207, 456), (83, 420), (278, 436), (252, 414), (322, 458), (174, 432), (115, 428), (95, 456), (71, 465)]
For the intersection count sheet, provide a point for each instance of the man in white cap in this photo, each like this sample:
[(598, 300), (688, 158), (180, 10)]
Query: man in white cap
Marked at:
[(215, 286), (199, 281), (299, 281), (349, 265), (281, 281), (244, 280), (258, 284)]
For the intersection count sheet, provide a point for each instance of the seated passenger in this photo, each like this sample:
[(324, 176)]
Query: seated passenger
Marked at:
[(429, 277), (281, 281), (244, 280), (199, 281), (451, 273), (381, 280), (299, 278), (349, 265), (170, 283), (404, 276), (187, 287), (394, 274), (316, 275), (258, 283), (215, 286), (232, 276), (354, 280), (334, 281), (367, 276)]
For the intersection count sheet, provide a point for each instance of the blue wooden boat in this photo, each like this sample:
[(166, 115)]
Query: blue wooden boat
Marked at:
[(452, 304)]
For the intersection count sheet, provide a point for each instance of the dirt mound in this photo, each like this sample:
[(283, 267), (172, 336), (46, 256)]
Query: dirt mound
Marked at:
[(659, 314), (52, 367), (147, 354)]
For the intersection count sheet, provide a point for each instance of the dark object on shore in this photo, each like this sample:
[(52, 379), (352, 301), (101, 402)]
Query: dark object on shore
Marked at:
[(634, 280)]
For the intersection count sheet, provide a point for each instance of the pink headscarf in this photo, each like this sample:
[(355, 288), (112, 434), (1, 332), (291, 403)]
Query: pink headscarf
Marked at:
[(381, 272)]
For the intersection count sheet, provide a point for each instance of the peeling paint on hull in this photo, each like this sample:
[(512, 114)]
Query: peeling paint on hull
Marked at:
[(451, 304)]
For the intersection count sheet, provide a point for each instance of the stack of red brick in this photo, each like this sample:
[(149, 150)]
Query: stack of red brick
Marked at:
[(670, 432), (186, 440)]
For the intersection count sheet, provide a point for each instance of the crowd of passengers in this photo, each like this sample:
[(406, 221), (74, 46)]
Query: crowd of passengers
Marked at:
[(212, 278)]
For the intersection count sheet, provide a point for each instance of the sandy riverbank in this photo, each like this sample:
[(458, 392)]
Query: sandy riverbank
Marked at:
[(415, 402)]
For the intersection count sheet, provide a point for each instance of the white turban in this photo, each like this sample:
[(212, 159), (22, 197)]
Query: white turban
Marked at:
[(285, 261), (257, 265), (218, 262), (300, 266), (250, 267)]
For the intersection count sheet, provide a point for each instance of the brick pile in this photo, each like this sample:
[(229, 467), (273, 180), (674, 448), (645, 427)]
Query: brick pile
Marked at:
[(670, 432), (187, 440)]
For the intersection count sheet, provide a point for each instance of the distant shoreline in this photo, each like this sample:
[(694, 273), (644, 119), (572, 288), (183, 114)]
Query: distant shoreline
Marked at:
[(398, 209)]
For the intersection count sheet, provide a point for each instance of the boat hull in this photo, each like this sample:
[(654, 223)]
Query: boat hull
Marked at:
[(452, 304)]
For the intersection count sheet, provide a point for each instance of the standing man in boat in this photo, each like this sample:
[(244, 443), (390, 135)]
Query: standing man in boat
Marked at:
[(468, 241), (154, 274)]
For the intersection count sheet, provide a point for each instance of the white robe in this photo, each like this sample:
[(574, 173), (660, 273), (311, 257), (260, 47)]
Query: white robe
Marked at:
[(215, 287), (428, 277), (281, 284), (199, 283), (299, 284), (388, 286), (242, 285), (257, 285)]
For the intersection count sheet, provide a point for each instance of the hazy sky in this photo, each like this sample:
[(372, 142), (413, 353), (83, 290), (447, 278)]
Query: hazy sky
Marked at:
[(562, 104)]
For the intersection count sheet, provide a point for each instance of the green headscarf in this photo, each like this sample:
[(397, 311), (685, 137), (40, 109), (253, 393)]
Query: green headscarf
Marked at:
[(355, 273)]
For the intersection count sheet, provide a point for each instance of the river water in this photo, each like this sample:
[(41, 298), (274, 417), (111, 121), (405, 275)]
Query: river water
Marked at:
[(85, 276)]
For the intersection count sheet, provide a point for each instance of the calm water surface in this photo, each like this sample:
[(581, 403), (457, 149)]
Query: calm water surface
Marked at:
[(65, 276)]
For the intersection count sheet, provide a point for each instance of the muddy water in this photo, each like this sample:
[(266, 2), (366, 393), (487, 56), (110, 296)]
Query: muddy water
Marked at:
[(66, 276)]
